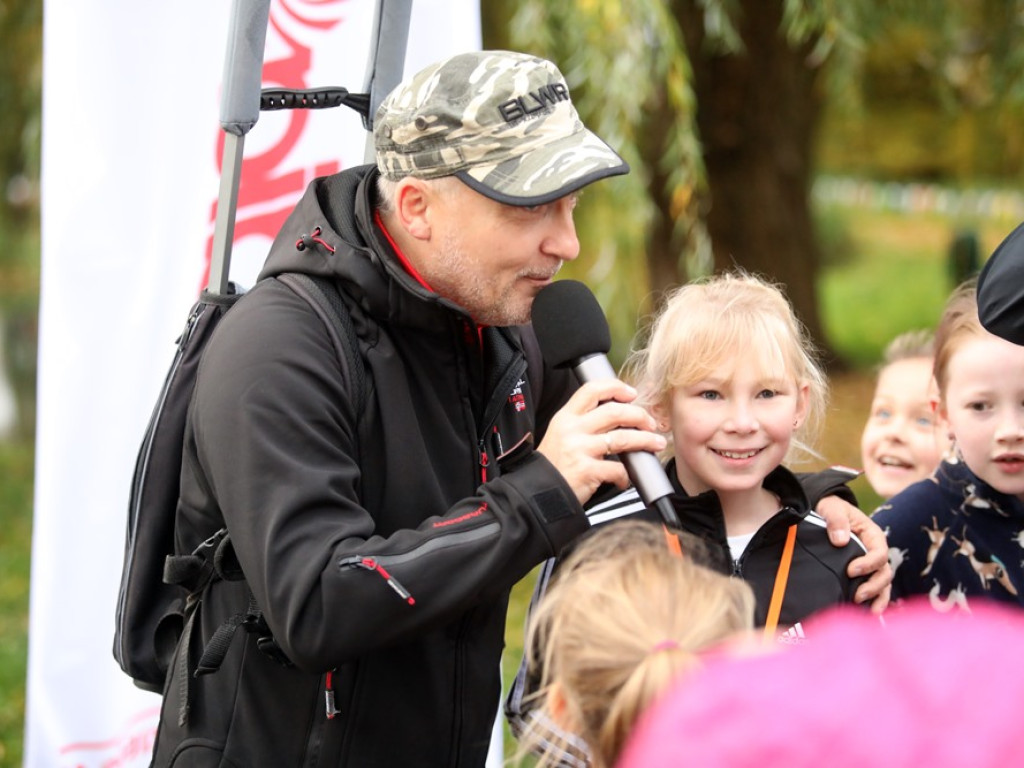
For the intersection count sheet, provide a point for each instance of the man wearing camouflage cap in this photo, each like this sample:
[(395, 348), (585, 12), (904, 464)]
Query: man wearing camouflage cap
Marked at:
[(381, 545), (380, 520)]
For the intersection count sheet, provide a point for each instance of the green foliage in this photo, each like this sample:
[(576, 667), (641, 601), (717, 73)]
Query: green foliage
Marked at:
[(19, 299), (16, 467), (613, 93), (892, 273), (21, 76)]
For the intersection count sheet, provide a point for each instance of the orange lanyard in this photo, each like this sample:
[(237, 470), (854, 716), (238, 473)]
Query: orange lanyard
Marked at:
[(781, 577)]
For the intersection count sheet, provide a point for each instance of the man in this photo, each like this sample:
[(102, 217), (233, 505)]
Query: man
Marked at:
[(381, 545)]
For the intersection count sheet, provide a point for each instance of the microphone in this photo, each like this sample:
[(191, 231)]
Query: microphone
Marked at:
[(573, 332)]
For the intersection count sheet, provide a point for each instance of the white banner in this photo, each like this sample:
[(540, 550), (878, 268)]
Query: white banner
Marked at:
[(131, 149)]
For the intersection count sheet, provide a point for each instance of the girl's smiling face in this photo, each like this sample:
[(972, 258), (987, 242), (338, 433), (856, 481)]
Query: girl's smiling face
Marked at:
[(733, 427), (983, 405)]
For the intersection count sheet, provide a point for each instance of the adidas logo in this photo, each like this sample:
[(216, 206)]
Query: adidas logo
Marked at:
[(793, 636)]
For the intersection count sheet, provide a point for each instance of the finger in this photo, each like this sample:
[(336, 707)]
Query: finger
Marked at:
[(877, 589), (881, 603), (593, 393), (632, 440), (610, 416), (837, 514)]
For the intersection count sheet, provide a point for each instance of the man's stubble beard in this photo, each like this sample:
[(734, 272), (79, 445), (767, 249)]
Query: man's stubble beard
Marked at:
[(458, 279)]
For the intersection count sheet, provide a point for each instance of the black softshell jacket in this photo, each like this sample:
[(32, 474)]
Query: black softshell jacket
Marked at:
[(381, 545)]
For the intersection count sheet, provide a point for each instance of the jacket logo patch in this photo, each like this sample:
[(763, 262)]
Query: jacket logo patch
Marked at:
[(462, 518), (517, 399)]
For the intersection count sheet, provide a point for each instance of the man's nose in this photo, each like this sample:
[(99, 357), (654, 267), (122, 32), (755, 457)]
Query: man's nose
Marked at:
[(561, 240)]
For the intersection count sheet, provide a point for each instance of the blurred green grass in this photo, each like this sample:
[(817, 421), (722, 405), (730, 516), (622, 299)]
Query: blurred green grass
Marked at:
[(16, 469), (888, 272)]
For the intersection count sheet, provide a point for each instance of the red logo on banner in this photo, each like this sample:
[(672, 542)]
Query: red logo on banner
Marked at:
[(268, 189)]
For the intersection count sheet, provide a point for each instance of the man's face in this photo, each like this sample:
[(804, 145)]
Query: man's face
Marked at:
[(492, 259)]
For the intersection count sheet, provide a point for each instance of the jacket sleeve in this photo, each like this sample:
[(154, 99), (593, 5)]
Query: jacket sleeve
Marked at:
[(1001, 289), (275, 442)]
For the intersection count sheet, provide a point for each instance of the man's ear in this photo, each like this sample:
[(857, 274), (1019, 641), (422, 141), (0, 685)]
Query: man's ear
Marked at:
[(412, 202)]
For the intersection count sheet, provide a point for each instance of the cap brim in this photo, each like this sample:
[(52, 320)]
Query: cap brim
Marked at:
[(546, 173)]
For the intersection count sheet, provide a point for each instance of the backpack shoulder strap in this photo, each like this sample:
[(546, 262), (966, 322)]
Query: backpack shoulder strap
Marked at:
[(325, 297)]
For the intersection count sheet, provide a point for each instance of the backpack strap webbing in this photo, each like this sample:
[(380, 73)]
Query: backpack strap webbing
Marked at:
[(324, 296), (196, 570)]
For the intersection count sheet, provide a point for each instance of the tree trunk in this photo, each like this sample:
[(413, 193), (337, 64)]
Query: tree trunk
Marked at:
[(663, 245), (495, 16), (757, 114)]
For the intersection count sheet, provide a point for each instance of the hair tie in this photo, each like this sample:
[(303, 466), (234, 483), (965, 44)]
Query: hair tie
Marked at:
[(664, 645)]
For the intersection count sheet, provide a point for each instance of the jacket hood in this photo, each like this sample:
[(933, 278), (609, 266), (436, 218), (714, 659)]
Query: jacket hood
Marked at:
[(331, 232)]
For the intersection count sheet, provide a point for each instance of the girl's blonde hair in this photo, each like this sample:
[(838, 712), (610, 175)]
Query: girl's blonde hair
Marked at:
[(959, 323), (623, 617), (731, 319)]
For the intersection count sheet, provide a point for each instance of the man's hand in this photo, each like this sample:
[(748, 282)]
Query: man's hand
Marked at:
[(596, 422), (841, 517)]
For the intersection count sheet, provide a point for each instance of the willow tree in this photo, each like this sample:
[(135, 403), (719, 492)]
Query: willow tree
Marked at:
[(716, 104)]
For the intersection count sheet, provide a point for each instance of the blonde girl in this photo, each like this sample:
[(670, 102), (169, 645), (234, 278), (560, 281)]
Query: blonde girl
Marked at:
[(624, 617), (731, 378)]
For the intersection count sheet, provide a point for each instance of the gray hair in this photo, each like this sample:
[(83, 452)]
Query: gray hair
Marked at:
[(386, 189)]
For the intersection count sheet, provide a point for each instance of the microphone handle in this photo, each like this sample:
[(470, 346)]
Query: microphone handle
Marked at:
[(643, 467)]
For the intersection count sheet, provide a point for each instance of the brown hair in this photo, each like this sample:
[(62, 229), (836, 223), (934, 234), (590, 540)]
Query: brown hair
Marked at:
[(959, 323), (909, 345), (623, 617)]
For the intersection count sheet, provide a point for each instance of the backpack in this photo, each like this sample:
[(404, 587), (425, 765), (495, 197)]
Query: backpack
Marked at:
[(156, 589)]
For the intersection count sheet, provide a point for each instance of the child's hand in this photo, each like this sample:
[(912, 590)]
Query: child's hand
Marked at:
[(841, 518)]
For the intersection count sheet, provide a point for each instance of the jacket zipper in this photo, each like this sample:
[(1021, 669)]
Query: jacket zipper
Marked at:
[(484, 460), (332, 710), (372, 564)]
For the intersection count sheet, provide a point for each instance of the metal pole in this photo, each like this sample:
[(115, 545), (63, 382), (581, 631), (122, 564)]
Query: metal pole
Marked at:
[(387, 58), (239, 110)]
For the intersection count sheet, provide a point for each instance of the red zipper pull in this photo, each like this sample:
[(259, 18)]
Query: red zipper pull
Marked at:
[(329, 695), (484, 462), (373, 565)]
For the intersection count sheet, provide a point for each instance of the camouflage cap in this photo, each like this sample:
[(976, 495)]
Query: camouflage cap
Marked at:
[(502, 122)]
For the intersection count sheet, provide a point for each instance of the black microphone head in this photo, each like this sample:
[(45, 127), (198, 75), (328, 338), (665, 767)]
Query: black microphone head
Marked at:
[(569, 323)]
